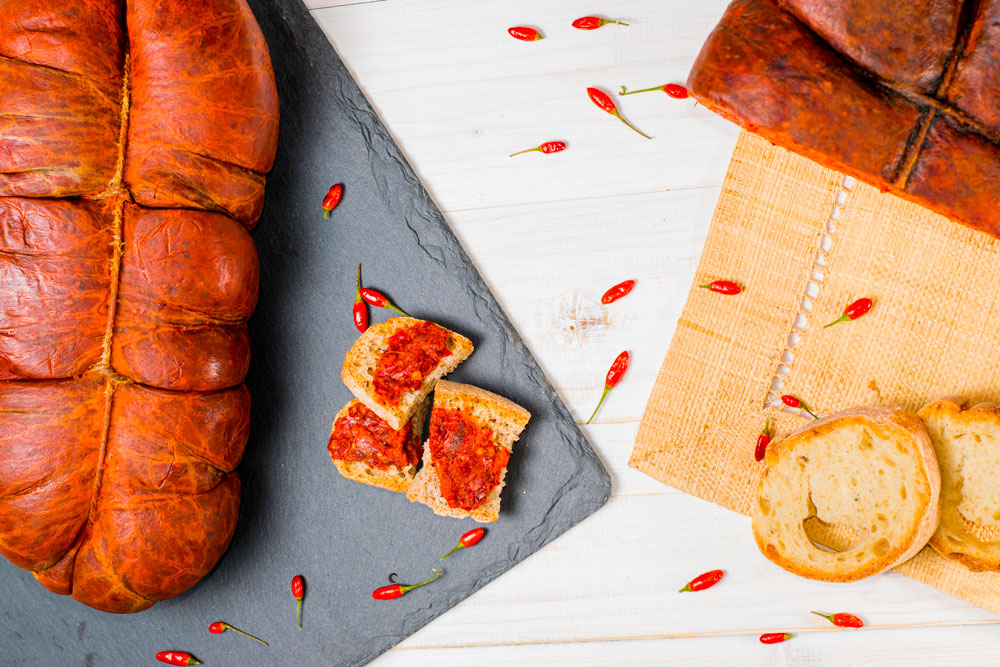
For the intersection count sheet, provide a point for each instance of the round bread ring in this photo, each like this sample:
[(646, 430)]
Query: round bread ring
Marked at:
[(870, 469)]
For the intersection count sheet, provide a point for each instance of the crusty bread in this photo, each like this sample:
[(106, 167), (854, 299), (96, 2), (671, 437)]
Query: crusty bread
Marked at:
[(967, 443), (393, 478), (505, 418), (867, 471), (362, 358)]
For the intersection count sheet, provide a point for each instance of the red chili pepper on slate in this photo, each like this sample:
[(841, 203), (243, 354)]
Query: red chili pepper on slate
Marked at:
[(378, 300), (331, 199), (470, 539), (703, 581), (726, 287), (298, 592), (618, 291), (615, 373), (674, 90), (763, 440), (176, 658), (360, 311), (601, 99), (594, 22), (842, 620), (794, 402), (399, 590), (525, 34), (547, 147), (775, 637), (219, 627), (853, 311)]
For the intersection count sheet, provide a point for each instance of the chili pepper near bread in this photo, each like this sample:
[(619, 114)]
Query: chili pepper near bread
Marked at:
[(867, 470), (394, 365), (967, 442), (472, 433), (134, 143)]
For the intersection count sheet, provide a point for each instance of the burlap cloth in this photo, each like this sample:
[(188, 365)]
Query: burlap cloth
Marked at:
[(932, 332)]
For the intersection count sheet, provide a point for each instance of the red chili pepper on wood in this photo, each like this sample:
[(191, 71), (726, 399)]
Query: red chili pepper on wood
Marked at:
[(525, 34), (617, 292), (842, 620), (763, 440), (775, 637), (378, 300), (793, 402), (853, 311), (359, 311), (219, 627), (674, 90), (298, 592), (399, 590), (331, 199), (470, 539), (176, 658), (614, 376), (594, 22), (601, 99), (547, 147), (726, 287), (703, 581)]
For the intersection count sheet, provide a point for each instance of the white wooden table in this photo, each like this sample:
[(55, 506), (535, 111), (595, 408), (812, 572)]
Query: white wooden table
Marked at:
[(550, 233)]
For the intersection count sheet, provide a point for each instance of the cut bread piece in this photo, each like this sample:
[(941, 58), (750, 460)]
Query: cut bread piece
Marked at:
[(465, 459), (394, 365), (864, 483), (364, 448), (967, 443)]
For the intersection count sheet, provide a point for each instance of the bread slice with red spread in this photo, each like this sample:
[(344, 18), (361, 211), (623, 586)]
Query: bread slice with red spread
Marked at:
[(366, 449), (471, 436), (393, 366)]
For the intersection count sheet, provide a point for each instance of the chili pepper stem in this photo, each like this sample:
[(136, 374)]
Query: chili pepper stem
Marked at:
[(618, 115), (326, 213), (604, 395), (686, 589), (407, 589), (247, 634), (298, 614), (527, 150), (842, 318), (625, 91), (811, 413), (392, 307), (457, 547), (828, 617)]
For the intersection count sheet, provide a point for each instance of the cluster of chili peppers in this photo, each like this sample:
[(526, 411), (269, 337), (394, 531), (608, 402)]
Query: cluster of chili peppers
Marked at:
[(397, 590), (526, 34), (841, 620), (366, 295)]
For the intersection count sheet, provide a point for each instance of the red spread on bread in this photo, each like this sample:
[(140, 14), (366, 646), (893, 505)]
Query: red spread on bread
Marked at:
[(411, 354), (363, 436), (466, 458)]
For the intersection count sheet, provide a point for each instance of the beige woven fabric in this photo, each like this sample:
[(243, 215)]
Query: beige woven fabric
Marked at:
[(932, 332)]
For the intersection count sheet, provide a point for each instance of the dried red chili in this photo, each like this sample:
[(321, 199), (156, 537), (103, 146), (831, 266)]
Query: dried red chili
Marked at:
[(842, 620), (470, 539), (360, 310), (793, 402), (763, 440), (525, 34), (594, 22), (331, 199), (703, 581), (726, 287), (298, 592), (547, 147), (615, 373), (775, 637), (853, 311), (674, 90), (399, 590), (601, 99), (379, 300), (176, 658), (617, 292), (219, 627)]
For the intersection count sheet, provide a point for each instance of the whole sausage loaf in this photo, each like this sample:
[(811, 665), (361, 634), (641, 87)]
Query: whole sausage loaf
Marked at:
[(902, 95), (134, 140)]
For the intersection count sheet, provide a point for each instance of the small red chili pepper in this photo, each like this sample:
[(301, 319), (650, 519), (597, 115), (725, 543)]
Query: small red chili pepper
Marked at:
[(601, 99), (726, 287), (793, 402), (298, 592), (378, 300), (176, 658), (674, 90), (470, 539), (399, 590), (525, 34), (547, 147), (763, 440), (617, 292), (842, 620), (360, 310), (853, 311), (594, 22), (775, 637), (703, 581), (331, 199), (219, 627), (615, 373)]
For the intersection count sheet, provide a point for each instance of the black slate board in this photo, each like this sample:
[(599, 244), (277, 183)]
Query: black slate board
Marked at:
[(298, 515)]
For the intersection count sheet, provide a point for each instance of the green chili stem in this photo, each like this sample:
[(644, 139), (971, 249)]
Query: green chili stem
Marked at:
[(618, 115), (527, 150), (246, 634), (457, 547), (604, 395), (842, 318), (625, 91), (389, 305), (298, 614), (407, 589)]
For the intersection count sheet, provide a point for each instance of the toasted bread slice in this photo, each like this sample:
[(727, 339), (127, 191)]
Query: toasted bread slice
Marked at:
[(967, 443), (362, 363), (393, 478), (869, 473), (504, 418)]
